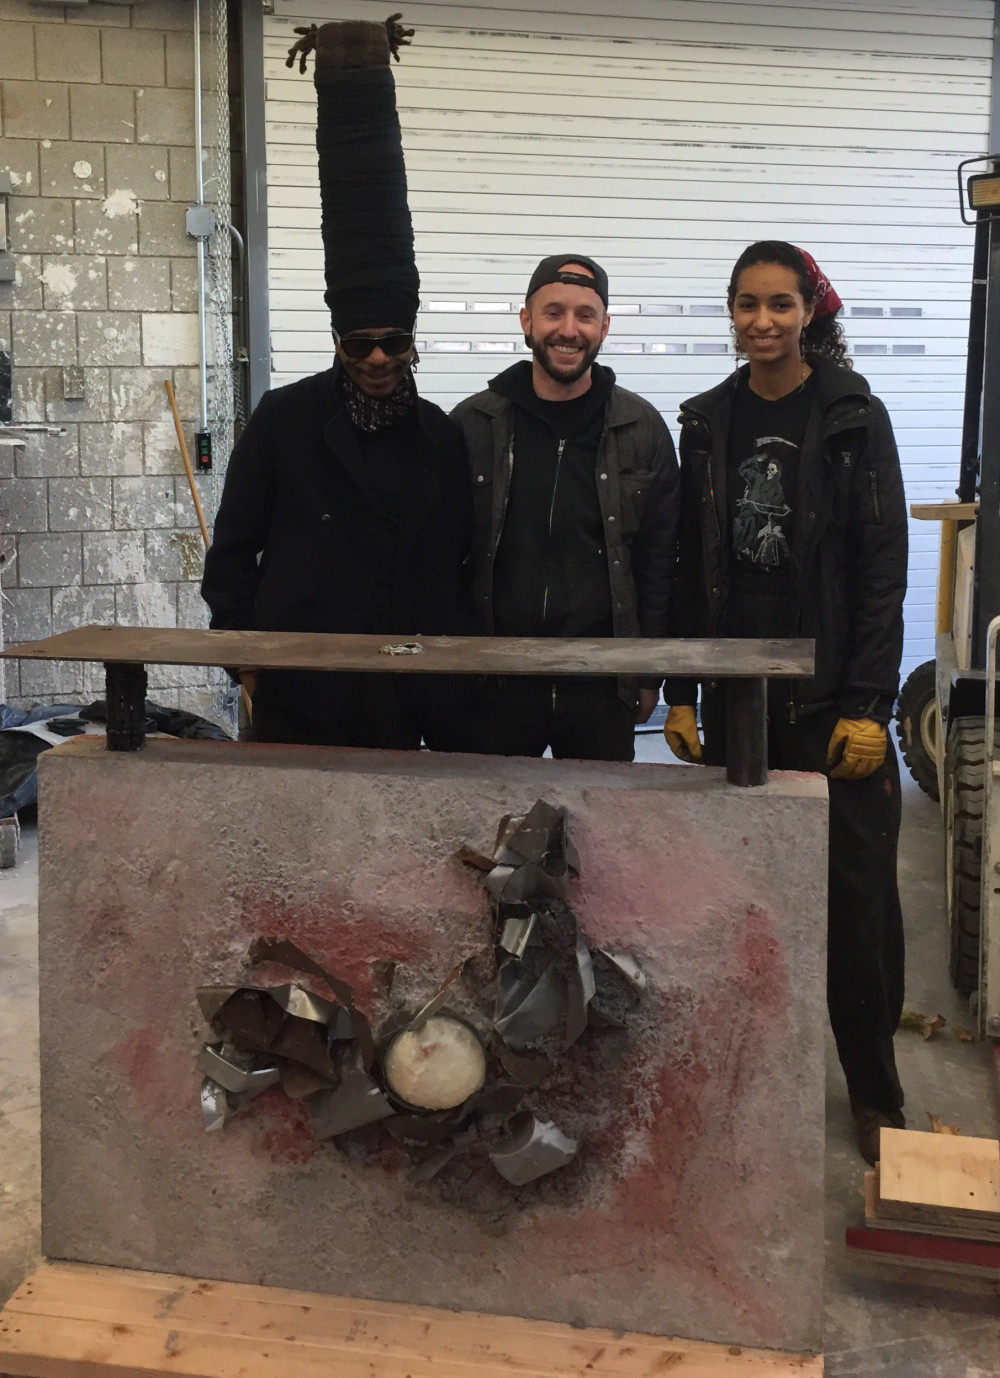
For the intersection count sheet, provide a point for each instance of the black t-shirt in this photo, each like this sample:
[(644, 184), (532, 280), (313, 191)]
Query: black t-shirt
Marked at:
[(763, 479), (763, 472), (550, 577)]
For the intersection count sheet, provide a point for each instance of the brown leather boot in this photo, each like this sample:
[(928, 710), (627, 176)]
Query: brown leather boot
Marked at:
[(870, 1123)]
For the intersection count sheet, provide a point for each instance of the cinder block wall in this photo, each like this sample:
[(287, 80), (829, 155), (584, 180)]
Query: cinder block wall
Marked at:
[(97, 132)]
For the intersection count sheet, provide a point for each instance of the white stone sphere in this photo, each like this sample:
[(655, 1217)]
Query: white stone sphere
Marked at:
[(437, 1066)]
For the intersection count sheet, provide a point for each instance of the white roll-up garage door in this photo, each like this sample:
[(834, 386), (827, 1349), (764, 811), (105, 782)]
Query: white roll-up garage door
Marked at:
[(662, 140)]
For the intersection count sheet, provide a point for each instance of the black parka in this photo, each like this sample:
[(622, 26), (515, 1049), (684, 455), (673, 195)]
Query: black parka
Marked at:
[(849, 547), (295, 545)]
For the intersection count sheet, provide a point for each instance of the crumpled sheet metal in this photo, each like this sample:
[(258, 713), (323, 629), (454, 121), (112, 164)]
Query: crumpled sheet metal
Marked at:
[(355, 1102), (530, 1149), (236, 1072), (551, 986)]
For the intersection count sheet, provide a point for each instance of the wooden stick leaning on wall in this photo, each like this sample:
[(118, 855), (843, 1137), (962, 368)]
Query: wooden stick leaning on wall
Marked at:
[(169, 389)]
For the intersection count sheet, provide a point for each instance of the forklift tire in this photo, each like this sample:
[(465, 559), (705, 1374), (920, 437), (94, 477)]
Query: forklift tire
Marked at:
[(918, 723), (964, 774)]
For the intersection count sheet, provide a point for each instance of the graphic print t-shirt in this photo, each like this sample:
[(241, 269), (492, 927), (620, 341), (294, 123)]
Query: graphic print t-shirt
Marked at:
[(763, 480)]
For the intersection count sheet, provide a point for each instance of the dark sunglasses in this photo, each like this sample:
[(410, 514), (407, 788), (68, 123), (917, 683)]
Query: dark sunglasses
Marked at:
[(360, 346)]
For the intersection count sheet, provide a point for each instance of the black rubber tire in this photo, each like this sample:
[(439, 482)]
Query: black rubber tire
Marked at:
[(964, 776), (917, 723)]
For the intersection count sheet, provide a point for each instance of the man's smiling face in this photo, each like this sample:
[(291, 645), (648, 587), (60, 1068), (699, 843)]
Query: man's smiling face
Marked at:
[(564, 326)]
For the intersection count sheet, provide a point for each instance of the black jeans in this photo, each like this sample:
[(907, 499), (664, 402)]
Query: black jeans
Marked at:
[(328, 709), (581, 719), (864, 919)]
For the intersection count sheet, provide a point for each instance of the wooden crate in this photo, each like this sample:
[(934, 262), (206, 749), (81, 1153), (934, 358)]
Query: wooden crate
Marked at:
[(79, 1321)]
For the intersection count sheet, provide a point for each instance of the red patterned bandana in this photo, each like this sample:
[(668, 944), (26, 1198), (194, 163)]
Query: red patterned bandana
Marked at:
[(826, 301)]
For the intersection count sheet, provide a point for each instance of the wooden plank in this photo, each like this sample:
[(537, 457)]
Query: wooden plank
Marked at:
[(950, 510), (80, 1321), (938, 1172), (716, 659), (946, 1224)]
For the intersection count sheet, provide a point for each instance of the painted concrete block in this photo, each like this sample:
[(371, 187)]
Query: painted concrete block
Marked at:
[(105, 114), (109, 337), (183, 285), (162, 232), (148, 604), (36, 110), (43, 338), (111, 447), (143, 503), (101, 230), (80, 504), (49, 680), (114, 557), (137, 393), (133, 58), (169, 338), (56, 560), (24, 504), (76, 607), (74, 282), (695, 1204), (139, 284), (180, 60), (49, 456), (142, 171), (20, 158), (40, 225), (164, 116), (95, 405), (27, 614), (69, 53), (72, 170), (17, 50)]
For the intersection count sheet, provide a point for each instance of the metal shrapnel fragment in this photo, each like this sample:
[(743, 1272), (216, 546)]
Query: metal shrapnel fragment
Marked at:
[(402, 648), (532, 1148), (237, 1072), (217, 1106), (357, 1101)]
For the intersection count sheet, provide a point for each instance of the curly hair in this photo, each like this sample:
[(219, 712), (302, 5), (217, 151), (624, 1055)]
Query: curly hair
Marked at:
[(824, 335)]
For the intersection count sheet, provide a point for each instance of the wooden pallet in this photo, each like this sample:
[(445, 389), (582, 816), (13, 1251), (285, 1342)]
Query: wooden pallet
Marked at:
[(79, 1321)]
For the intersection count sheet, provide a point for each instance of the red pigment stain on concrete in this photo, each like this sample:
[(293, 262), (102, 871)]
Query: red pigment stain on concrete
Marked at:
[(281, 1129), (160, 1077), (642, 864), (698, 1092), (343, 938)]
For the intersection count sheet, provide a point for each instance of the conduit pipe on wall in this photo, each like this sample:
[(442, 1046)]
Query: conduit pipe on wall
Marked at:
[(200, 186)]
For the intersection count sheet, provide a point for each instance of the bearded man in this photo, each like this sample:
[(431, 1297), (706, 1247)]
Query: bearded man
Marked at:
[(575, 490)]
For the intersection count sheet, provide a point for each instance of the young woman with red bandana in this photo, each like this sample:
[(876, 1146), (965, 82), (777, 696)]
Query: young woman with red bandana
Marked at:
[(793, 524)]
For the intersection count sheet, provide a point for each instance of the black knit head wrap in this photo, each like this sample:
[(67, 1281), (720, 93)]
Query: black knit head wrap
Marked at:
[(371, 273)]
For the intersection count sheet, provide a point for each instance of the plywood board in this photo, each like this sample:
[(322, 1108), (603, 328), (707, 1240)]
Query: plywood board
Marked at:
[(69, 1320), (944, 1172), (719, 658)]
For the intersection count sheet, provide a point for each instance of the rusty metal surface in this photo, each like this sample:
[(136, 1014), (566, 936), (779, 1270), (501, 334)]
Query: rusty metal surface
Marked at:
[(720, 658)]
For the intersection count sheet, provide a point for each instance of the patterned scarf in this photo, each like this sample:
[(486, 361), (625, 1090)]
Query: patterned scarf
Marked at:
[(377, 413)]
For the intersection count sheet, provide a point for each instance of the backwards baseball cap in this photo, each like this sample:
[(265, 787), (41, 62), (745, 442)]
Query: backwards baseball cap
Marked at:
[(553, 269)]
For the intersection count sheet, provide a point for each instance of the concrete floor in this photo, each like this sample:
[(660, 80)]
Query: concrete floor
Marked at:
[(881, 1320)]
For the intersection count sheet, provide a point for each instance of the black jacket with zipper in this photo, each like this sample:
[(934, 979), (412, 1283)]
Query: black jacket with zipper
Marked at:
[(299, 540), (849, 547), (635, 477)]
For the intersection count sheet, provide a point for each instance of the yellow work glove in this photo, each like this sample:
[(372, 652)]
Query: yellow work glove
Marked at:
[(856, 748), (681, 732)]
